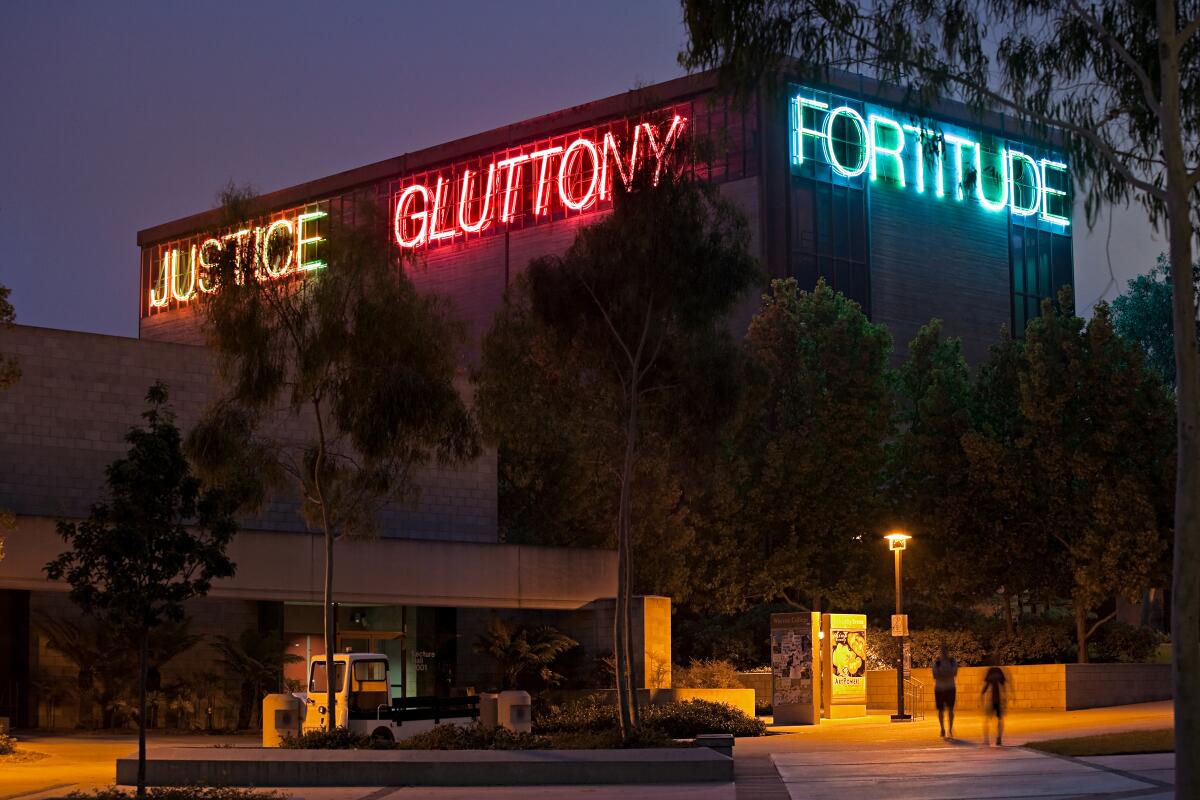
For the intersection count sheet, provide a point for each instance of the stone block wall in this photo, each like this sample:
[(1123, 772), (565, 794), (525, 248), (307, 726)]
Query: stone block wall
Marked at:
[(760, 682), (1097, 685), (1039, 687)]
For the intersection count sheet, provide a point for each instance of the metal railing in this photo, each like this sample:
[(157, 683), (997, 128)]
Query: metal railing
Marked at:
[(914, 698)]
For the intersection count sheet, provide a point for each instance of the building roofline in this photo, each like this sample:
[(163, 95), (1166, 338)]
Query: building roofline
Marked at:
[(581, 115)]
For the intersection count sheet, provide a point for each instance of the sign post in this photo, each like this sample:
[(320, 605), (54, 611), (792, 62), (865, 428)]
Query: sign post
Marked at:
[(897, 542)]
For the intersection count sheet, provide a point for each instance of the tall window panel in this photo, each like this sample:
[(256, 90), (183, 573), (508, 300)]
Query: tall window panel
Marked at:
[(828, 238)]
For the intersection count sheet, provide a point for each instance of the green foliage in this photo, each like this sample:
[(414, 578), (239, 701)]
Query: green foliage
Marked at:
[(1035, 642), (706, 674), (680, 720), (473, 737), (158, 541), (10, 368), (741, 638), (786, 527), (1143, 317), (518, 649), (1120, 641), (336, 739), (965, 646)]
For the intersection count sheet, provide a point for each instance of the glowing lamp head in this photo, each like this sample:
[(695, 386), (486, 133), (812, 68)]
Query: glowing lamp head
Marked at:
[(897, 540)]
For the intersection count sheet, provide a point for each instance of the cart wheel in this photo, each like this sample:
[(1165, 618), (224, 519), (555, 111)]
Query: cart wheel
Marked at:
[(382, 735)]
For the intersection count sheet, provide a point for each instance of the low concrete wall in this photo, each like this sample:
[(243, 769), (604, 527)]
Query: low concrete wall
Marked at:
[(1098, 685), (741, 699), (1040, 687), (760, 682), (279, 768)]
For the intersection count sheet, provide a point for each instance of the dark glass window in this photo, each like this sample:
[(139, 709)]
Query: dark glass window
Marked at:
[(1041, 265), (828, 238)]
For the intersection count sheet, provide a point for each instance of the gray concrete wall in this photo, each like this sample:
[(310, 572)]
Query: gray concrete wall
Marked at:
[(64, 422), (1057, 687), (289, 567)]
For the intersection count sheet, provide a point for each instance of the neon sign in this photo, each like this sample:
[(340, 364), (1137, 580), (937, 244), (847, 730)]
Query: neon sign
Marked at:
[(286, 246), (1000, 178), (578, 175)]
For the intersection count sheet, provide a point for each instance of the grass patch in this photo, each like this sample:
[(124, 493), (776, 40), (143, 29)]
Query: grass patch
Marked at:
[(1110, 744)]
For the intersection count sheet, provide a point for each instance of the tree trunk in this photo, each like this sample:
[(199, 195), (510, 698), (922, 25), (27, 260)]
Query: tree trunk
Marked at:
[(1185, 583), (142, 659), (1081, 632), (622, 624), (1009, 629), (330, 645)]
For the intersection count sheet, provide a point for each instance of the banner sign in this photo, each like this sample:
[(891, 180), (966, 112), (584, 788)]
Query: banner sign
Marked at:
[(848, 658)]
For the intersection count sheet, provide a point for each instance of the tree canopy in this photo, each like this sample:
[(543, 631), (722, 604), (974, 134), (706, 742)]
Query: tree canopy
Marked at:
[(1142, 316)]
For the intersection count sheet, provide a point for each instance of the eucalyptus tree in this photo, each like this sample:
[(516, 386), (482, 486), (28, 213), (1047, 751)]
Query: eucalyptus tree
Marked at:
[(1142, 315), (360, 362), (1119, 81), (632, 325)]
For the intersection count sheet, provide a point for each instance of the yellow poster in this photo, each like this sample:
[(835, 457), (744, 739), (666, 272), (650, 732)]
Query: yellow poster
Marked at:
[(848, 658)]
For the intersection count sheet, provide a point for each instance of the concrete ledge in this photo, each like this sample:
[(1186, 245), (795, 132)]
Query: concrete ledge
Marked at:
[(280, 768)]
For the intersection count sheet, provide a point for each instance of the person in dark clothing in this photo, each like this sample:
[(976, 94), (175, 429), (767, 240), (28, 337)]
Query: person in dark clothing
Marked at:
[(994, 682), (945, 671)]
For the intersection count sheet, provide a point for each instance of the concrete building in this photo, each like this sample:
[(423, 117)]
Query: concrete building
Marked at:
[(914, 216)]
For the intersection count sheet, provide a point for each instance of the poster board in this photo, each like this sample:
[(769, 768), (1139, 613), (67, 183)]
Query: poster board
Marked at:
[(795, 668), (845, 651)]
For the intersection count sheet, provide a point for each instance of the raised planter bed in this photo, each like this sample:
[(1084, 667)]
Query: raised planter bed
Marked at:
[(262, 767)]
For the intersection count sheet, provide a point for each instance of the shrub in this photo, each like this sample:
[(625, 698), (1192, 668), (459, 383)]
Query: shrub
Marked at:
[(706, 674), (681, 720), (883, 649), (8, 744), (473, 737), (181, 793), (589, 715), (340, 739), (1035, 642), (1120, 641), (691, 718)]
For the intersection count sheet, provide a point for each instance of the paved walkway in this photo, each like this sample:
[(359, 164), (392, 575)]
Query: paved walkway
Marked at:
[(845, 759)]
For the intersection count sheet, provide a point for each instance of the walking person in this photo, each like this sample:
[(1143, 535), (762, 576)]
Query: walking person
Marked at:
[(994, 682), (945, 673)]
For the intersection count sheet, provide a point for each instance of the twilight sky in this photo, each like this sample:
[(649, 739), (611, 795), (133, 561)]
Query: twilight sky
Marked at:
[(121, 115)]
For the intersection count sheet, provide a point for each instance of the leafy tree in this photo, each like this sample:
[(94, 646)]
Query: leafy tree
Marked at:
[(1142, 316), (1118, 80), (10, 371), (158, 541), (256, 660), (632, 324), (1097, 427), (518, 649), (352, 353), (816, 395)]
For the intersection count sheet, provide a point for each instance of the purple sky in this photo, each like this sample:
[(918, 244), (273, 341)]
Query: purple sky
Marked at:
[(122, 115)]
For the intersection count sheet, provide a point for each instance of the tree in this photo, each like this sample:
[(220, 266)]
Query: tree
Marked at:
[(1118, 80), (10, 371), (1142, 316), (517, 649), (256, 660), (632, 322), (157, 542), (816, 394), (352, 353), (1097, 428)]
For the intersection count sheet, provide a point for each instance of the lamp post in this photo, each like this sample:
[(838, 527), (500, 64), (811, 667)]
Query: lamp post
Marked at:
[(897, 542)]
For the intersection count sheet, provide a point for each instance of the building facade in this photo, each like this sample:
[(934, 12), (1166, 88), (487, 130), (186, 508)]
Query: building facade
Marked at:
[(914, 216)]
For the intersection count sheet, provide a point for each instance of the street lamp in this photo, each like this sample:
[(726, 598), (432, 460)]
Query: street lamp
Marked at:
[(897, 542)]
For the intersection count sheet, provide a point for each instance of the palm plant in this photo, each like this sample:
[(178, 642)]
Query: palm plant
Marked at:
[(257, 661), (518, 648)]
